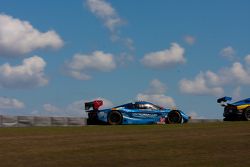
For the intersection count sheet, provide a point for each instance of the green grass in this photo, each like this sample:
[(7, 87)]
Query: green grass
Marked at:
[(211, 144)]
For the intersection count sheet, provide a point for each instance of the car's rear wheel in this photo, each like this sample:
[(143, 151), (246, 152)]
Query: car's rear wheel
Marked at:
[(115, 118), (247, 114), (174, 117)]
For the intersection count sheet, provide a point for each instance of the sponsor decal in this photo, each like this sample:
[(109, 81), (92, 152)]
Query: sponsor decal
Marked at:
[(144, 115)]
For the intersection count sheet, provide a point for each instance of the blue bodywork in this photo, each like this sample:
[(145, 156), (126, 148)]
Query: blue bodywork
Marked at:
[(140, 113), (242, 102)]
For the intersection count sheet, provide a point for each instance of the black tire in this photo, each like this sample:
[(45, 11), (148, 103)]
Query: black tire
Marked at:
[(174, 117), (247, 114), (115, 118)]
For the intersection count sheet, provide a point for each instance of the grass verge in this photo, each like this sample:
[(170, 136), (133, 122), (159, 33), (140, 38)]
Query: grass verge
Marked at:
[(206, 144)]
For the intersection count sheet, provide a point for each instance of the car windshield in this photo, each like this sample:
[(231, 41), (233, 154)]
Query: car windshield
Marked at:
[(147, 106)]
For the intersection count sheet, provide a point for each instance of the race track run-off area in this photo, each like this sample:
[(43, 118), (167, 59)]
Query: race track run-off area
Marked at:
[(198, 144)]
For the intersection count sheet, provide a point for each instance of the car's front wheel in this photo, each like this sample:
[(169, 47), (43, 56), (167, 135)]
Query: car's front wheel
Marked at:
[(174, 117), (115, 118), (247, 114)]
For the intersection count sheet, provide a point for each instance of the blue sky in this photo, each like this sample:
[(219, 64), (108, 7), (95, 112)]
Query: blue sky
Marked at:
[(56, 55)]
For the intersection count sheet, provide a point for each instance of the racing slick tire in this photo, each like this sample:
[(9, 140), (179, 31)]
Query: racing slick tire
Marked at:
[(247, 114), (115, 118), (174, 117)]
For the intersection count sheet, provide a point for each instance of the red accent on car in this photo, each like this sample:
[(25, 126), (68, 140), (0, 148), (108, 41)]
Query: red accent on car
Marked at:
[(97, 104)]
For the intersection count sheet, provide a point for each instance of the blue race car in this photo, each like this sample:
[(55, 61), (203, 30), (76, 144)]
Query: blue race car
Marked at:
[(239, 110), (141, 112)]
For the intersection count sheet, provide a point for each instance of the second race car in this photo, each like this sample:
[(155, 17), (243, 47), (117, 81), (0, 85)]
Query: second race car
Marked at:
[(239, 110)]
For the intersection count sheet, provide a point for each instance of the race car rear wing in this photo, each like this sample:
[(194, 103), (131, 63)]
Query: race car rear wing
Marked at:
[(224, 99), (93, 104)]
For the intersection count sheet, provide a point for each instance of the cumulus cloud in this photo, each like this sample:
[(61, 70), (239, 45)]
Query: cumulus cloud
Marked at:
[(74, 109), (199, 86), (156, 87), (156, 94), (105, 12), (211, 83), (228, 53), (10, 103), (247, 59), (236, 74), (239, 74), (18, 37), (189, 39), (81, 64), (111, 20), (27, 75), (159, 99), (124, 59), (165, 58), (50, 108)]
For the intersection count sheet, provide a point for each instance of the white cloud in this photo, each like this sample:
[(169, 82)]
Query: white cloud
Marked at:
[(158, 99), (247, 59), (239, 74), (19, 37), (129, 43), (50, 108), (76, 108), (228, 53), (211, 83), (124, 59), (199, 86), (105, 12), (213, 78), (81, 64), (111, 20), (29, 74), (156, 87), (236, 74), (165, 58), (10, 103), (189, 39), (78, 75), (156, 94)]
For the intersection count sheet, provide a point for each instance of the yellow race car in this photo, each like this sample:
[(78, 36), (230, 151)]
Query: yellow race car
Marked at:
[(239, 110)]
